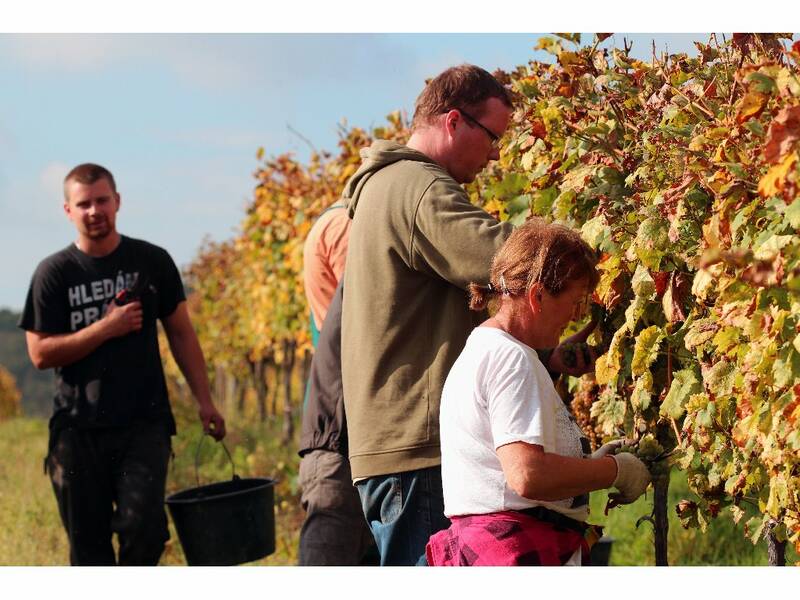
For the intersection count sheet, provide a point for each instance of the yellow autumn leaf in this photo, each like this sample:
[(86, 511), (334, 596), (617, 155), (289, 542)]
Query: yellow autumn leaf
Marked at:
[(771, 184), (751, 105), (495, 207)]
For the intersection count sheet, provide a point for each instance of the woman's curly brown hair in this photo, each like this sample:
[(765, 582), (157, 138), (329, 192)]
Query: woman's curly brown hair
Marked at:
[(537, 252)]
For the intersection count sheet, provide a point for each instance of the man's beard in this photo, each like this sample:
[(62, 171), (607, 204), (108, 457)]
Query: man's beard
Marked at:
[(98, 230)]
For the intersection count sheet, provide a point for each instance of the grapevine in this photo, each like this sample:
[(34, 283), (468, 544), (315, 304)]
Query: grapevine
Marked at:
[(682, 172)]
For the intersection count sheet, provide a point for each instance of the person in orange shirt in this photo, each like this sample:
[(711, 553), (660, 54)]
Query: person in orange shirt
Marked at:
[(324, 254), (335, 531)]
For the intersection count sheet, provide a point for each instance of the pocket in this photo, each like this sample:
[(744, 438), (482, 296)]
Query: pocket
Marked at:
[(60, 463)]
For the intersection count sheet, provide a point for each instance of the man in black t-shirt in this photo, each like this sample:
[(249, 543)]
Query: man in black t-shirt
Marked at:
[(91, 314)]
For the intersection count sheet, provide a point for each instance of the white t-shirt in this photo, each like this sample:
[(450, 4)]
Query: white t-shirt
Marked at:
[(499, 392)]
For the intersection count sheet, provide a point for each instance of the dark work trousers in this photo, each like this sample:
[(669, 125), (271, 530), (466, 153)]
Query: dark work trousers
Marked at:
[(334, 532), (110, 481)]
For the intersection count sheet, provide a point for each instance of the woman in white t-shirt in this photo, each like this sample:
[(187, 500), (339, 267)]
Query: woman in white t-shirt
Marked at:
[(516, 468)]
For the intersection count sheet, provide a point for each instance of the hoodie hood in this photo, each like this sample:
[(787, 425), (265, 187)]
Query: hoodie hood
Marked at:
[(380, 154)]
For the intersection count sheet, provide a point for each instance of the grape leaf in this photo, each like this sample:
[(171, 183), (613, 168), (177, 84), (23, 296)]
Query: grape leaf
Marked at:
[(634, 312), (792, 215), (607, 367), (684, 384), (646, 349), (784, 131), (651, 242), (642, 282), (720, 378), (642, 392)]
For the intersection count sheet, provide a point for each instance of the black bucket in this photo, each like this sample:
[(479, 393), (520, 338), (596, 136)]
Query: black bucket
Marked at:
[(226, 523), (601, 552)]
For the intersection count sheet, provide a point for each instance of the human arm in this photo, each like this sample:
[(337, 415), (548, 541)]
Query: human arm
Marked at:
[(523, 408), (334, 240), (48, 350), (187, 352), (452, 238), (573, 356), (539, 475)]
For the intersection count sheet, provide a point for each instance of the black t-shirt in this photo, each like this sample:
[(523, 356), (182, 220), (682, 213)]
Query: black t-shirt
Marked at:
[(122, 380)]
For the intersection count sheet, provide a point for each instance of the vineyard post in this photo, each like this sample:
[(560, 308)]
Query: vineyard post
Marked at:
[(259, 382), (776, 550), (242, 395), (661, 489), (660, 516), (273, 398), (231, 390), (288, 369)]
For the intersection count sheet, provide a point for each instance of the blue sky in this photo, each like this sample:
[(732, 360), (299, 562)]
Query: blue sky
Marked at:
[(178, 118)]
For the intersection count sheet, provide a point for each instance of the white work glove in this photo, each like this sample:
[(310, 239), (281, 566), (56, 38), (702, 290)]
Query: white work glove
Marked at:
[(632, 479), (608, 448)]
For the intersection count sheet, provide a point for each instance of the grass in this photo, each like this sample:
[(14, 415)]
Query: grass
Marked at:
[(723, 544), (30, 527), (31, 532)]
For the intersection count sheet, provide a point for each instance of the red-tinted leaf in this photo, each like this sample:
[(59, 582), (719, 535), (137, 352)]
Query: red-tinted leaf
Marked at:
[(661, 279), (783, 132), (538, 129), (674, 298)]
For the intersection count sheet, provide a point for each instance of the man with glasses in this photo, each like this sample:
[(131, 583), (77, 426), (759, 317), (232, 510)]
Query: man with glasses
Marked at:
[(416, 243)]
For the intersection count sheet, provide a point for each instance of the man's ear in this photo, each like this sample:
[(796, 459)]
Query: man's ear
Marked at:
[(66, 210), (451, 117)]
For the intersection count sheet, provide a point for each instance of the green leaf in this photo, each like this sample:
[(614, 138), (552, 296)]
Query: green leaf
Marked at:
[(726, 339), (543, 201), (720, 378), (512, 184), (609, 364), (646, 349), (786, 368), (652, 242), (755, 528), (642, 282), (642, 392), (736, 169), (527, 163), (761, 83), (789, 81), (700, 332), (595, 231), (608, 411), (634, 312), (519, 204), (520, 217), (792, 215), (684, 384), (564, 204), (756, 127), (772, 245)]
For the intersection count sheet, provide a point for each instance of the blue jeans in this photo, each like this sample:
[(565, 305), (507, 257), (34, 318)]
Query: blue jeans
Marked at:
[(403, 511)]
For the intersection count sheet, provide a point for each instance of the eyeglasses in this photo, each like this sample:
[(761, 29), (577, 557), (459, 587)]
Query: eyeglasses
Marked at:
[(581, 308), (492, 135)]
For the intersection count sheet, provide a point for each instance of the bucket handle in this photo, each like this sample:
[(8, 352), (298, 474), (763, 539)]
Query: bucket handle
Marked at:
[(234, 476)]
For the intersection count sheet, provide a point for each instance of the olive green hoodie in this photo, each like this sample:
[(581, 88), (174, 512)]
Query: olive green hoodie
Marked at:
[(415, 245)]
